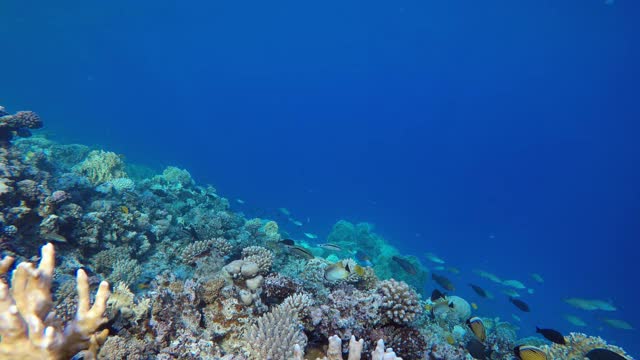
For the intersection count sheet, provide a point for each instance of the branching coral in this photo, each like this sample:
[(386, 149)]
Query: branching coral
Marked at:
[(275, 334), (400, 303), (260, 256), (27, 304), (334, 351), (101, 166)]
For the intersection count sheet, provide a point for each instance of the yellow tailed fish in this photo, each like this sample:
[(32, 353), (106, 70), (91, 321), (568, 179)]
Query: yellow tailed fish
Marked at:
[(477, 327), (525, 352)]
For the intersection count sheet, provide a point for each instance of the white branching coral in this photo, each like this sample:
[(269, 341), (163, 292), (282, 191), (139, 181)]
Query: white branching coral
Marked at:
[(334, 351), (27, 303), (275, 334)]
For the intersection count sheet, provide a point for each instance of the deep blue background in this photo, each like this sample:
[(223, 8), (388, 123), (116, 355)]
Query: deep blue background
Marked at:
[(442, 122)]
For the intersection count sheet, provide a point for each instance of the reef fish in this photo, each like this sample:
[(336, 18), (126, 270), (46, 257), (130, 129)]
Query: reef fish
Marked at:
[(434, 258), (575, 320), (240, 201), (331, 247), (443, 281), (478, 350), (311, 236), (441, 308), (520, 304), (405, 265), (53, 237), (604, 354), (341, 270), (552, 335), (511, 292), (436, 295), (514, 284), (618, 324), (287, 242), (480, 291), (590, 304), (285, 211), (477, 327), (537, 278), (525, 352), (295, 222), (453, 270), (488, 275), (301, 252), (363, 258)]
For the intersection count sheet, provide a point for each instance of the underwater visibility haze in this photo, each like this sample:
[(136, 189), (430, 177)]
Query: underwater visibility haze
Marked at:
[(208, 159)]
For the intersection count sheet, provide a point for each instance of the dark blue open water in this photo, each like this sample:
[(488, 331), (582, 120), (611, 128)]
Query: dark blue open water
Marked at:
[(499, 134)]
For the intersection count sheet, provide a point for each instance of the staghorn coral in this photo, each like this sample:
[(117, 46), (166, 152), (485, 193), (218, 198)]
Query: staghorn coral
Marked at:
[(23, 331), (400, 303), (101, 166), (275, 334), (578, 345), (299, 302)]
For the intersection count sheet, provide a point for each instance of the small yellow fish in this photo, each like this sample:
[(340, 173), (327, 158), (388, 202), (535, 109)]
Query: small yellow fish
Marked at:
[(474, 306), (124, 209), (143, 286), (449, 338)]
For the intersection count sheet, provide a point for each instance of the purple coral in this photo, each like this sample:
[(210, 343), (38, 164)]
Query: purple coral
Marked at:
[(18, 124)]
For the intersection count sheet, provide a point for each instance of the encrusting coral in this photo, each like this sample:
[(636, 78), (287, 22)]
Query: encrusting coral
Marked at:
[(26, 306)]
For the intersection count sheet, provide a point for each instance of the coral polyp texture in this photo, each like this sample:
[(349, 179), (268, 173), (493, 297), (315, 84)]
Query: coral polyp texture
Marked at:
[(195, 279), (25, 314), (400, 303)]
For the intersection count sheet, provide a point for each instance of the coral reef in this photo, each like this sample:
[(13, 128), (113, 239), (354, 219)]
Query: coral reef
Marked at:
[(578, 345), (196, 280)]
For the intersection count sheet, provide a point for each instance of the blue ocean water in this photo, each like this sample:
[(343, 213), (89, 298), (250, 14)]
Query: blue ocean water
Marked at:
[(500, 135)]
